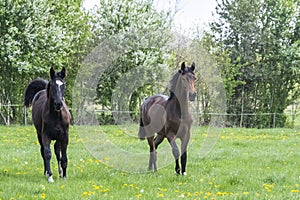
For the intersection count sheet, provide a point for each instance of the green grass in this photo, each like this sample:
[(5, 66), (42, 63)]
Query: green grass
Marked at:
[(109, 162)]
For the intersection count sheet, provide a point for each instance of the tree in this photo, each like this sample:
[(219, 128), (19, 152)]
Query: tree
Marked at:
[(262, 39), (134, 38), (36, 35)]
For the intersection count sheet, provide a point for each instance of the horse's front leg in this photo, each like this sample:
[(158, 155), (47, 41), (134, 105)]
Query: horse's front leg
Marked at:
[(171, 138), (183, 159), (64, 158), (47, 157), (57, 149)]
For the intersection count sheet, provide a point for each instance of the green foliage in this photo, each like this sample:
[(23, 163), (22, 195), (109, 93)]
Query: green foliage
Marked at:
[(261, 39), (135, 37), (37, 35)]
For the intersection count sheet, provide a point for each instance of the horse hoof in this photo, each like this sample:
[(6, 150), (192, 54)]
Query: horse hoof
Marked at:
[(50, 179), (184, 174)]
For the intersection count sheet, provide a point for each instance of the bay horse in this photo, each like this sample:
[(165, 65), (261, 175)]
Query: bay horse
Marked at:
[(51, 118), (169, 117)]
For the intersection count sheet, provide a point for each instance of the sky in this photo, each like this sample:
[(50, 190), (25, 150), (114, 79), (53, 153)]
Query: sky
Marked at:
[(190, 13)]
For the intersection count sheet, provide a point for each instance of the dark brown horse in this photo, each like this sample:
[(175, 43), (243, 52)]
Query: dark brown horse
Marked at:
[(169, 117), (51, 118)]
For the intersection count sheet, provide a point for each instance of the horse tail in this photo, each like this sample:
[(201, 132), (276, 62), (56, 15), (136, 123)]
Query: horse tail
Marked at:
[(32, 89), (142, 132)]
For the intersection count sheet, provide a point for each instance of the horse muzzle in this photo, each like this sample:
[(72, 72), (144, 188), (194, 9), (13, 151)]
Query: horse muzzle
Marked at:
[(192, 96), (58, 106)]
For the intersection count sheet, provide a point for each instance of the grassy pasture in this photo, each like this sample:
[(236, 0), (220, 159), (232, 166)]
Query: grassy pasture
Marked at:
[(244, 164)]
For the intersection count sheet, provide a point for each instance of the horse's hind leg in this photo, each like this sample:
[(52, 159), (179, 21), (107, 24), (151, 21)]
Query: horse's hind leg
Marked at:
[(57, 149), (42, 151), (158, 139), (152, 159)]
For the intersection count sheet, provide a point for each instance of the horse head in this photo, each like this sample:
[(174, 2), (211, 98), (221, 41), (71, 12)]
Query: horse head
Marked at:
[(56, 88), (188, 77)]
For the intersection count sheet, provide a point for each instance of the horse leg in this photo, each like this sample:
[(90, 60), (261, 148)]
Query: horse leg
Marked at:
[(152, 159), (47, 156), (183, 158), (42, 151), (64, 158), (57, 149), (175, 151), (158, 139)]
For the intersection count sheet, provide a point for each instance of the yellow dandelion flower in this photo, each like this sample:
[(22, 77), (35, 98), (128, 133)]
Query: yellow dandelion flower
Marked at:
[(84, 193), (245, 193), (221, 193), (208, 193), (160, 195), (138, 195), (295, 191), (43, 195)]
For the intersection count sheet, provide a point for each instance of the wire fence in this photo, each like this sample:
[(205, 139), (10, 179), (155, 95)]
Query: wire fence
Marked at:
[(97, 116)]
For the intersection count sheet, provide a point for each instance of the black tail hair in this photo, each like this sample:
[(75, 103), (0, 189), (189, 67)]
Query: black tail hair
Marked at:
[(34, 87), (142, 133)]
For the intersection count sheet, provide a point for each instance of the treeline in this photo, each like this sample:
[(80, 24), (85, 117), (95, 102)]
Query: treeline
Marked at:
[(254, 45)]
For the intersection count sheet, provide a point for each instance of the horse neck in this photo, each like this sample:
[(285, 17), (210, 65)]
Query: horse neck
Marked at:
[(180, 100)]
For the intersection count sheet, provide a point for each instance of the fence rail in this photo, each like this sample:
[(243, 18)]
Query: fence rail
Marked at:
[(293, 117)]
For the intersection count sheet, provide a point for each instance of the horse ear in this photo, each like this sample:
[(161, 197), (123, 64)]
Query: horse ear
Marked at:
[(193, 66), (182, 68), (63, 73), (52, 73)]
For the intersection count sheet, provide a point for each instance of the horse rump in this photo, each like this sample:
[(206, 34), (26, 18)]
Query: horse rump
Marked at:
[(34, 87)]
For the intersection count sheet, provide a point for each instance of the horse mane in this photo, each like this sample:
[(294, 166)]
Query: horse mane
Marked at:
[(173, 83)]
